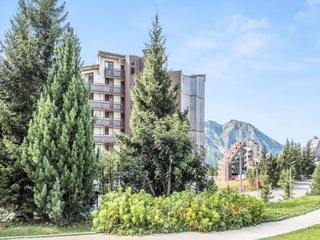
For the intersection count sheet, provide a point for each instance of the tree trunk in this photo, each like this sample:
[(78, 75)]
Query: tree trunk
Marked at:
[(169, 179)]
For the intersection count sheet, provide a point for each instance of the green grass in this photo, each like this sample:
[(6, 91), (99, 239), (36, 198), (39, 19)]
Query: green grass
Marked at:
[(41, 229), (292, 207), (310, 233)]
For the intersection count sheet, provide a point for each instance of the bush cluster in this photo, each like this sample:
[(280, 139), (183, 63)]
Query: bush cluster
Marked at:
[(127, 213)]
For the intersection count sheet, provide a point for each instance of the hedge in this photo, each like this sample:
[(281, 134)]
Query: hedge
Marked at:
[(127, 213)]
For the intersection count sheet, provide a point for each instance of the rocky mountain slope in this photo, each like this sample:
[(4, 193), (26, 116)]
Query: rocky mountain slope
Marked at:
[(219, 138)]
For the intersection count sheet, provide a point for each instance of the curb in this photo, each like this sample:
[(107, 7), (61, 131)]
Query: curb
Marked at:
[(50, 235)]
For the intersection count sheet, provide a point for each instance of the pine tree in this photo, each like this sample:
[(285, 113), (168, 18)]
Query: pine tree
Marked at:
[(265, 186), (315, 188), (307, 161), (23, 72), (273, 170), (285, 183), (159, 157), (58, 153)]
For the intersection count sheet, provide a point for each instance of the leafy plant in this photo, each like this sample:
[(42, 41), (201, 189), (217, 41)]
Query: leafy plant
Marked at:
[(139, 213)]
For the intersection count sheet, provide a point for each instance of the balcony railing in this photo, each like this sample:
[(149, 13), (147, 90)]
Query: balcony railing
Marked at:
[(114, 72), (100, 138), (106, 105), (110, 123), (100, 87)]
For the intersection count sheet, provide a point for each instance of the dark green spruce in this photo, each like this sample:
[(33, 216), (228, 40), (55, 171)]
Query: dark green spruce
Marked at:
[(58, 152), (26, 54), (159, 156)]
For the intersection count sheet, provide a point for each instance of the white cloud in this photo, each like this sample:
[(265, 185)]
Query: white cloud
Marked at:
[(311, 13), (250, 43), (240, 24)]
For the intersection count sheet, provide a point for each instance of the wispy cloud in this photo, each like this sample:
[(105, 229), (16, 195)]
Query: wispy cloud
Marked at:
[(310, 13), (241, 24), (249, 43)]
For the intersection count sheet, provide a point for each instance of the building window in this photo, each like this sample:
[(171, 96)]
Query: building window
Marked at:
[(92, 113), (106, 98), (108, 146), (122, 115), (106, 130), (122, 99), (122, 130), (91, 96), (106, 114), (133, 66), (90, 78)]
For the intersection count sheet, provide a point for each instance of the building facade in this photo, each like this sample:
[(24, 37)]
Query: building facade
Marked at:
[(315, 147), (229, 166), (111, 78)]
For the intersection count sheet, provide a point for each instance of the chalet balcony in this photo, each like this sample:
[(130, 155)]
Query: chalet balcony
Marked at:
[(114, 73)]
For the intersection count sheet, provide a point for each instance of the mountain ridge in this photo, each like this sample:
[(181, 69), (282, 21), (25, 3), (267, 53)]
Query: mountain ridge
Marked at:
[(219, 138)]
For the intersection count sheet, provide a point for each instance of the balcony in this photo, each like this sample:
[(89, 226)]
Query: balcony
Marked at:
[(110, 123), (100, 87), (95, 104), (99, 138), (114, 73)]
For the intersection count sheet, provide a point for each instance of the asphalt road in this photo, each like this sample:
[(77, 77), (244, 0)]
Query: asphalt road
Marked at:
[(299, 189)]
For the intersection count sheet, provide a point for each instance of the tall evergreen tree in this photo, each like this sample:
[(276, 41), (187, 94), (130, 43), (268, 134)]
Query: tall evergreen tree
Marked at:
[(58, 153), (285, 183), (315, 188), (158, 157), (307, 161), (265, 186), (273, 170), (23, 72)]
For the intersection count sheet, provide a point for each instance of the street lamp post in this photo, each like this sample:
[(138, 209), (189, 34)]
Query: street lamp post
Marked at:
[(290, 193), (257, 182), (240, 172)]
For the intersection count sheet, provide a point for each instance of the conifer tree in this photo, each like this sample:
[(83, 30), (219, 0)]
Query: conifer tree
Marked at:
[(307, 161), (58, 152), (285, 183), (159, 157), (23, 71), (265, 186), (315, 188), (273, 171)]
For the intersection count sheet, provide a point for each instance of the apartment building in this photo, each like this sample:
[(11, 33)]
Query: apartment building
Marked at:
[(315, 147), (229, 166), (111, 79)]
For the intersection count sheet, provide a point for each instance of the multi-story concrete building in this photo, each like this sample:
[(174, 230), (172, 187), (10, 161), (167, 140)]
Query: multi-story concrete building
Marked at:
[(315, 147), (229, 165), (111, 80)]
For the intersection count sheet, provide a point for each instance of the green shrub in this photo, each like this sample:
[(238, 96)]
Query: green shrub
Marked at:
[(127, 213)]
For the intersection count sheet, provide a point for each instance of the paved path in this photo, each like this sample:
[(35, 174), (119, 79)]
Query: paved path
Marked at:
[(247, 233), (299, 189)]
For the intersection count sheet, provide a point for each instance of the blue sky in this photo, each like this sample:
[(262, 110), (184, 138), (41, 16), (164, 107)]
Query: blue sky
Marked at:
[(262, 58)]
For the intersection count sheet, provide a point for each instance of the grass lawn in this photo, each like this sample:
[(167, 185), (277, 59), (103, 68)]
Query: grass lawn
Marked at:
[(310, 233), (41, 229), (233, 184), (292, 207)]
